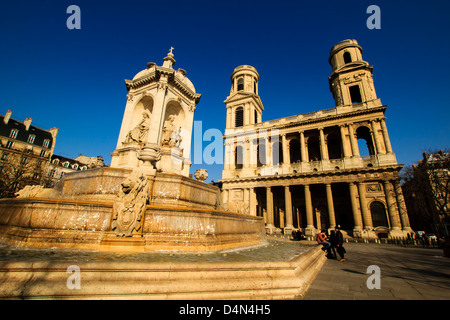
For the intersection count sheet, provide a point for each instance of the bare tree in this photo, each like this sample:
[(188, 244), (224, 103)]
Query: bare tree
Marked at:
[(427, 190), (18, 169)]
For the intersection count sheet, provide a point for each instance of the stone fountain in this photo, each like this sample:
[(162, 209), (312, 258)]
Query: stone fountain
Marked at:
[(145, 200)]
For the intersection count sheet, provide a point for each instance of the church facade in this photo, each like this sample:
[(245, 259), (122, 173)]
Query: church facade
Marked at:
[(306, 171)]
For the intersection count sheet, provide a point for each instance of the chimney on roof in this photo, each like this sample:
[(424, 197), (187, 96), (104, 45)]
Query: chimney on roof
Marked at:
[(27, 123), (7, 116)]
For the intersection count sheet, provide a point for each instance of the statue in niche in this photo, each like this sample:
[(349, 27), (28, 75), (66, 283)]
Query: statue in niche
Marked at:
[(170, 136), (139, 133), (129, 206)]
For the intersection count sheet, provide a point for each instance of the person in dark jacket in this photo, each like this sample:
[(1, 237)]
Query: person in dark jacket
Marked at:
[(333, 242), (339, 243)]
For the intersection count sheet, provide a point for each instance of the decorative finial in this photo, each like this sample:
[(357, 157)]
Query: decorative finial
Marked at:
[(171, 49)]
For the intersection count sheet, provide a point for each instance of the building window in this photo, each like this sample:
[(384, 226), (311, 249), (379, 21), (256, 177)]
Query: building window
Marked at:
[(46, 143), (9, 144), (254, 87), (239, 120), (42, 154), (347, 57), (75, 166), (13, 133), (55, 161), (240, 84), (4, 156), (355, 94), (256, 116), (378, 212), (239, 157), (24, 160), (31, 138)]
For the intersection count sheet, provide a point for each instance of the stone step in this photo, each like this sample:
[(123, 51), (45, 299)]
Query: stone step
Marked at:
[(165, 280)]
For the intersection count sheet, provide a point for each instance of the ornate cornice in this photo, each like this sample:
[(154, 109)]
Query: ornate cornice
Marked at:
[(155, 75)]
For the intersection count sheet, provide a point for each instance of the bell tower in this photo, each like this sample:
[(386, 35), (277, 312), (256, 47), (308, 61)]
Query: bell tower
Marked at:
[(244, 107), (351, 80)]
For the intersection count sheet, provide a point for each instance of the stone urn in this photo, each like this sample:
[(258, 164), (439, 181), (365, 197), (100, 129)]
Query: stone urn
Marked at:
[(201, 174)]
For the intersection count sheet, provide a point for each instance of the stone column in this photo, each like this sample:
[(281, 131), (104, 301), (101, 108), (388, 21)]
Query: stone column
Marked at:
[(269, 206), (392, 207), (323, 146), (252, 205), (344, 142), (376, 138), (268, 151), (367, 217), (285, 147), (355, 209), (309, 212), (353, 141), (288, 208), (246, 151), (402, 207), (331, 213), (387, 142), (302, 147)]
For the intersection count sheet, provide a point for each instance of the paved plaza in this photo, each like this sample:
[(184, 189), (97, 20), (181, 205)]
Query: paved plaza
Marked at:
[(407, 273)]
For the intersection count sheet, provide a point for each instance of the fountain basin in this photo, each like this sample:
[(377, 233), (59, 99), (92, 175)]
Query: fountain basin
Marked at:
[(182, 216)]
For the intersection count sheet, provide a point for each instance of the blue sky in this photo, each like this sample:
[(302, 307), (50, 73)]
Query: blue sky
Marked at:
[(74, 79)]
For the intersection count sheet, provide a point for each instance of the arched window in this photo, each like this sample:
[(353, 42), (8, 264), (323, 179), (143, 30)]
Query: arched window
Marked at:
[(355, 94), (256, 116), (239, 157), (240, 84), (365, 143), (314, 149), (294, 150), (378, 212), (239, 117), (277, 153), (347, 57), (334, 144), (254, 87), (261, 155)]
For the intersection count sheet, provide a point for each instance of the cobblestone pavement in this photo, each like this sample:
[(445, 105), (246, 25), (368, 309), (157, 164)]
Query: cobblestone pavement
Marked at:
[(412, 273)]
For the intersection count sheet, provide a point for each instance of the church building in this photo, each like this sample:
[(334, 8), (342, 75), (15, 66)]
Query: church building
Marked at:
[(307, 171)]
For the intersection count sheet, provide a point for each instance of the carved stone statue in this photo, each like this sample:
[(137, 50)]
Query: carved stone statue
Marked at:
[(168, 130), (139, 133), (129, 207), (170, 136)]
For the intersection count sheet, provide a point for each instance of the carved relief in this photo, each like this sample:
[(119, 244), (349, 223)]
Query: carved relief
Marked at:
[(374, 187), (129, 207)]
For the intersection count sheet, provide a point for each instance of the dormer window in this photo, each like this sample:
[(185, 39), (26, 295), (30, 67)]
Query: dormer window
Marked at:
[(13, 133), (75, 166), (46, 143), (55, 161), (66, 164), (31, 138)]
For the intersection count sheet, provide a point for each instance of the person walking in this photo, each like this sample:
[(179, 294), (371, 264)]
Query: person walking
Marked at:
[(340, 243)]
